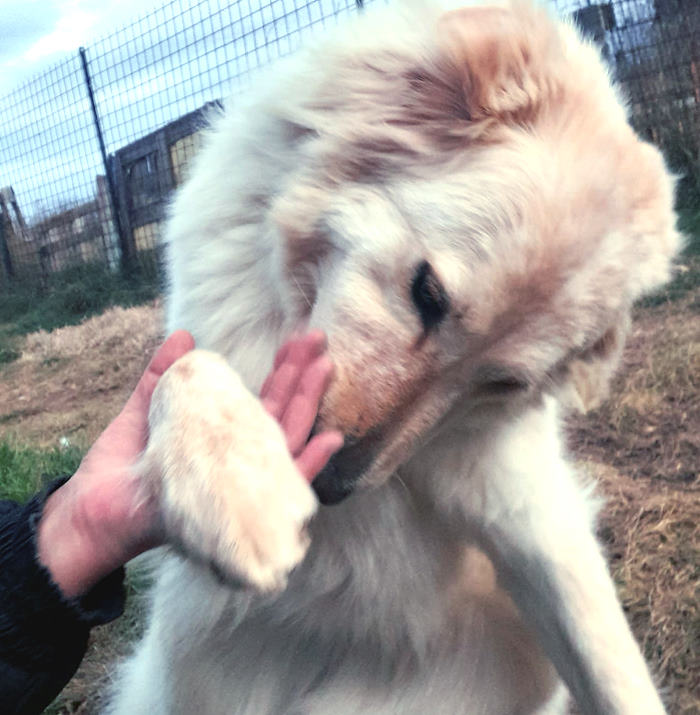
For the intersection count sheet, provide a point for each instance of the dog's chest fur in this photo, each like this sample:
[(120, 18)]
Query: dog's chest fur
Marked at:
[(385, 611)]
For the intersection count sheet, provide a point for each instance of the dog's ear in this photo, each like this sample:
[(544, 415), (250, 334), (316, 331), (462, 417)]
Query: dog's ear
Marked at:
[(588, 374), (498, 62)]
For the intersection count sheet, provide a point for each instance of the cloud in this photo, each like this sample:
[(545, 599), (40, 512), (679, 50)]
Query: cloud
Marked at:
[(38, 33), (22, 24)]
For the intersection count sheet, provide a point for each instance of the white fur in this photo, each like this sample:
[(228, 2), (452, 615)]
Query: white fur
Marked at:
[(542, 238)]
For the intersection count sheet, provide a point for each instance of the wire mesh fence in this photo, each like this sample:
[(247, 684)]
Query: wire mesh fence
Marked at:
[(91, 149)]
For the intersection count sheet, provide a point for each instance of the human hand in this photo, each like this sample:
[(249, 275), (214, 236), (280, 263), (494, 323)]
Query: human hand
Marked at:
[(291, 394), (100, 518)]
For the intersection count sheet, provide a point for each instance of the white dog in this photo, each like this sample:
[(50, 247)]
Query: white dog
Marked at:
[(457, 200)]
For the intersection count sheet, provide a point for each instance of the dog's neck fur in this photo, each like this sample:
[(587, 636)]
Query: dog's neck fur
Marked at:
[(375, 560)]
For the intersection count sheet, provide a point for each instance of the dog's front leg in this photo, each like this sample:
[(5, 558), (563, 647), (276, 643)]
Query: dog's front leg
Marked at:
[(228, 491), (536, 523)]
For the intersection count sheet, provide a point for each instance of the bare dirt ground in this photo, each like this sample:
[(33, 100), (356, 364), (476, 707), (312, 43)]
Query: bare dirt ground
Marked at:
[(642, 448)]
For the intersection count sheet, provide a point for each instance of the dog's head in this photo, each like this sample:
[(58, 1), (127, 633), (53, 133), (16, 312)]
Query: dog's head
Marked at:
[(471, 220)]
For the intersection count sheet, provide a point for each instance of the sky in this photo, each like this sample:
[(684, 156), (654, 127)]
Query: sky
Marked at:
[(35, 33)]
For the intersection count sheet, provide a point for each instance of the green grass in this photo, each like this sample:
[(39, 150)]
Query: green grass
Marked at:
[(26, 470), (689, 225), (7, 352), (71, 296)]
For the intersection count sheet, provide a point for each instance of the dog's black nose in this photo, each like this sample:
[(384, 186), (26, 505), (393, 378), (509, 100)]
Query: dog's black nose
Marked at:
[(330, 486), (338, 479)]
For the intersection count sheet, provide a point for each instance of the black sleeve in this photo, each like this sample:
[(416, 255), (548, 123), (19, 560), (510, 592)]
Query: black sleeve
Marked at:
[(43, 636)]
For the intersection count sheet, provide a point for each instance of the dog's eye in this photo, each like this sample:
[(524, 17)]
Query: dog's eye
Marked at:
[(505, 386), (496, 381), (429, 296)]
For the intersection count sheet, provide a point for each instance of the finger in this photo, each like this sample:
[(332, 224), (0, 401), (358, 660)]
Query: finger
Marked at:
[(130, 428), (282, 384), (177, 344), (291, 361), (314, 343), (301, 348), (282, 353), (317, 452), (301, 411), (174, 347), (265, 389)]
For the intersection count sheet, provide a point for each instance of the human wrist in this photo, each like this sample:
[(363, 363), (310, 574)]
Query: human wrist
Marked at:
[(87, 530), (62, 546)]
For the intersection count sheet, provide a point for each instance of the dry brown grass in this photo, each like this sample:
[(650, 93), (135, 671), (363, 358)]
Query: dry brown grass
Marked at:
[(650, 426), (118, 329), (72, 381), (641, 447), (651, 540)]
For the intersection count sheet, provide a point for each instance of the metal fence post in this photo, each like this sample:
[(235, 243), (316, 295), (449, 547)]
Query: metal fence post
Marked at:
[(125, 242), (5, 249)]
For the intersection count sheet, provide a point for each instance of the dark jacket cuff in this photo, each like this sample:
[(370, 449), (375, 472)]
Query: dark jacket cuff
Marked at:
[(38, 625)]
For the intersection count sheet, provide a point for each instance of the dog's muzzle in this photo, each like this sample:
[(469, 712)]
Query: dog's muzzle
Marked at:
[(338, 479)]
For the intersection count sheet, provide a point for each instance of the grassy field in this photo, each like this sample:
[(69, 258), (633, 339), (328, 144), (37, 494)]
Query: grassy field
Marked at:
[(24, 470), (59, 388)]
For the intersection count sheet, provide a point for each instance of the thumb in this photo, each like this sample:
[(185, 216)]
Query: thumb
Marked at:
[(178, 344)]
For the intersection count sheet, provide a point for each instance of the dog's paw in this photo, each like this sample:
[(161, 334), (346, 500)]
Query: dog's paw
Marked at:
[(230, 494)]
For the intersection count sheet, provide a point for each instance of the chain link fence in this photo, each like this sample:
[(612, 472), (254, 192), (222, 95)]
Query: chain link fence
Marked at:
[(91, 149)]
